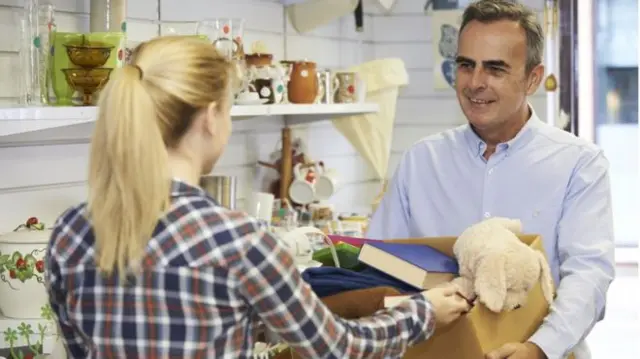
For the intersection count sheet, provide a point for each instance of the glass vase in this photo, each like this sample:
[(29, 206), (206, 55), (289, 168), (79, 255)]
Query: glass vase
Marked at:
[(36, 28)]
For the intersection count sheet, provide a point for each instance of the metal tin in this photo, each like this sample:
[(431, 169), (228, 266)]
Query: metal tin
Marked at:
[(222, 188)]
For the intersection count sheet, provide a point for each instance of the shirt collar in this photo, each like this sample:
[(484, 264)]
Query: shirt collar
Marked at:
[(181, 188), (477, 146)]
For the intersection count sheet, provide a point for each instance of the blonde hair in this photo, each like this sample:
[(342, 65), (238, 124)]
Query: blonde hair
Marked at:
[(145, 108)]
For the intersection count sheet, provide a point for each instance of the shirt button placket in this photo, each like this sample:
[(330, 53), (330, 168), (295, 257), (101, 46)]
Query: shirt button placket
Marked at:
[(487, 196)]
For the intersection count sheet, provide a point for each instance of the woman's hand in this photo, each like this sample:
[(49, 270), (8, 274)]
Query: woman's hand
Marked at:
[(447, 304)]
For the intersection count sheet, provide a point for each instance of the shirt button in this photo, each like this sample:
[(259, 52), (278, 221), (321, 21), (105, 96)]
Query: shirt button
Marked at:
[(491, 171), (487, 214)]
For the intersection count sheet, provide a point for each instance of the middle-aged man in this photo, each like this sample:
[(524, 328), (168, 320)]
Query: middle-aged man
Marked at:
[(506, 162)]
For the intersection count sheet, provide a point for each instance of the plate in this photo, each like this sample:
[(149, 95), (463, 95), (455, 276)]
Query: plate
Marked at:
[(252, 102)]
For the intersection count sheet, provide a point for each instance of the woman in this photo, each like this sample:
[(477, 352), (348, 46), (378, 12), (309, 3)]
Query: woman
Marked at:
[(152, 267)]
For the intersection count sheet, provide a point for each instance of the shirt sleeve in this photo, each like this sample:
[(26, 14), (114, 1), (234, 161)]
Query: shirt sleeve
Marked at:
[(586, 253), (57, 300), (269, 281), (391, 218)]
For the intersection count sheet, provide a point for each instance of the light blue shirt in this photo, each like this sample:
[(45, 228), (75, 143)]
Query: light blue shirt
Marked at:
[(555, 183)]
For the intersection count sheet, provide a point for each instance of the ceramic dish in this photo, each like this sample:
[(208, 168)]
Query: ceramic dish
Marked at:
[(252, 102)]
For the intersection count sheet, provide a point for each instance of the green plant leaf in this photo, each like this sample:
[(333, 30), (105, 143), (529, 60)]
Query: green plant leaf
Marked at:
[(4, 258), (25, 330), (10, 336), (46, 312), (22, 276)]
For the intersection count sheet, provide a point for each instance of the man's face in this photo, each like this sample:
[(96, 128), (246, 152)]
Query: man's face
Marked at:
[(491, 80)]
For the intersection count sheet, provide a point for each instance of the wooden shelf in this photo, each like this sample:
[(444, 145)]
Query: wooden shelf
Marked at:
[(44, 123)]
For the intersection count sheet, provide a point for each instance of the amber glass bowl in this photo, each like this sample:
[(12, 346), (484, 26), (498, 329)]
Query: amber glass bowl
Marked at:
[(87, 81), (258, 60), (89, 55)]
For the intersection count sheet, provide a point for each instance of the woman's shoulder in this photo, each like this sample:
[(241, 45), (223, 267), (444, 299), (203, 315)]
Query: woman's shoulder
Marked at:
[(220, 235), (208, 213), (205, 218), (73, 218), (69, 231)]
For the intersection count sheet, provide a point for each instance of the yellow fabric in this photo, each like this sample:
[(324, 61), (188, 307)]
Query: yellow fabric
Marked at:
[(371, 133)]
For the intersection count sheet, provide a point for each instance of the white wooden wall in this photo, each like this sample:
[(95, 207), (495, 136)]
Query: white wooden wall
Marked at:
[(43, 179)]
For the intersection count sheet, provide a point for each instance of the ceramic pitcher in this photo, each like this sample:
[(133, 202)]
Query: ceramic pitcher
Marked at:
[(303, 83)]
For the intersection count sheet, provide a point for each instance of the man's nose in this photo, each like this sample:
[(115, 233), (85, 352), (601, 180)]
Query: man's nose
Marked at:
[(478, 79)]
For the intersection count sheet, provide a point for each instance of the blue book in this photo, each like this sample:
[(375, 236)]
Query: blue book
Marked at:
[(418, 265)]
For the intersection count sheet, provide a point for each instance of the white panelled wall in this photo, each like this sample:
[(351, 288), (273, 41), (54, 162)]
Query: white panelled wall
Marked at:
[(43, 179)]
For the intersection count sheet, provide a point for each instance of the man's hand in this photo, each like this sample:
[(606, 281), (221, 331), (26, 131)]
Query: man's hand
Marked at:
[(517, 351)]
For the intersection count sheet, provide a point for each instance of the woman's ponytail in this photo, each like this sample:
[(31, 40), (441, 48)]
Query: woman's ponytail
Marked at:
[(129, 180)]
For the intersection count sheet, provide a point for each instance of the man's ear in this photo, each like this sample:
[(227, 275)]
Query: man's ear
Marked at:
[(535, 78)]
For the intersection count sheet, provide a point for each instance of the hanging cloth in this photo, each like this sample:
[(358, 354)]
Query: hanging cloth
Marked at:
[(371, 133)]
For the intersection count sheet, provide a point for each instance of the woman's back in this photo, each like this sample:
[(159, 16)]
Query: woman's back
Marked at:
[(182, 304)]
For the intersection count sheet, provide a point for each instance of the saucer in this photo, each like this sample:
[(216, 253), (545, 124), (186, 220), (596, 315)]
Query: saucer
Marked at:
[(252, 102)]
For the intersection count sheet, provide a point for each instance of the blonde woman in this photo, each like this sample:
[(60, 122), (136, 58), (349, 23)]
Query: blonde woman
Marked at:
[(152, 267)]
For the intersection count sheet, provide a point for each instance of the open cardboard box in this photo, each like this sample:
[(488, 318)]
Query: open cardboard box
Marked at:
[(480, 331)]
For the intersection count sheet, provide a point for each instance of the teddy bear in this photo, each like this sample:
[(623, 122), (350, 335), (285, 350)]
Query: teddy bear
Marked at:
[(496, 268)]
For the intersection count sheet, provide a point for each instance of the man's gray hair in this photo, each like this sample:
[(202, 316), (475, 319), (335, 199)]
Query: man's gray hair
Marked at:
[(487, 11)]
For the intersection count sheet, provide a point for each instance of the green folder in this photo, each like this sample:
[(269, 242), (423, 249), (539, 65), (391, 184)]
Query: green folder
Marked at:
[(347, 255)]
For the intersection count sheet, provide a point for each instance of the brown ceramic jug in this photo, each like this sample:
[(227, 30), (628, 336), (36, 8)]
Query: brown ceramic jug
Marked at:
[(303, 83)]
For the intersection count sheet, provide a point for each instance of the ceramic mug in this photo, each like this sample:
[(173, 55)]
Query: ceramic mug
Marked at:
[(347, 87), (301, 190), (260, 206), (326, 184), (264, 88)]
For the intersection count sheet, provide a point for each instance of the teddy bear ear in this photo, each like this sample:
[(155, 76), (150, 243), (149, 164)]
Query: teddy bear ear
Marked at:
[(491, 281)]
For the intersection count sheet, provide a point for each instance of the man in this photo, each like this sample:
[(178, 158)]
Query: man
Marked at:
[(507, 162)]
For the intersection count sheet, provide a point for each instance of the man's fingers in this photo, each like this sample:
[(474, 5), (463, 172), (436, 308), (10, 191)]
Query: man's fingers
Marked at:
[(502, 352)]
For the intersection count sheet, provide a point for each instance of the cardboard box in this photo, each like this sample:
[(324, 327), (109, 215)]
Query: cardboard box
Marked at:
[(480, 331)]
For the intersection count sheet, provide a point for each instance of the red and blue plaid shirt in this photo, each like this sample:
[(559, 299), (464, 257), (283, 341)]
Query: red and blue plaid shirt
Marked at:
[(210, 276)]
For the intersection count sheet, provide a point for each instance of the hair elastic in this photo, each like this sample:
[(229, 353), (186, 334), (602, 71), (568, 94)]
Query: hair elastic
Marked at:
[(139, 70)]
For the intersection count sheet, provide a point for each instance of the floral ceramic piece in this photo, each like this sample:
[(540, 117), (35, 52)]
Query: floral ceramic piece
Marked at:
[(26, 341), (22, 292)]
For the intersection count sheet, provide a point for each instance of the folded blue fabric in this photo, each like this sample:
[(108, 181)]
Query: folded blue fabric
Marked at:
[(326, 281)]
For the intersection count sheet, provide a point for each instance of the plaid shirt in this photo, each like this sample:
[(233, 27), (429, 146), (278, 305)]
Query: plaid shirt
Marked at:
[(209, 277)]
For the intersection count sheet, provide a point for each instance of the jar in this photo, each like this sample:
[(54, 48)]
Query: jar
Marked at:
[(22, 291)]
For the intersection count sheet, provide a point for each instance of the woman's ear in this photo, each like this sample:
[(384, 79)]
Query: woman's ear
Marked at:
[(211, 117)]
